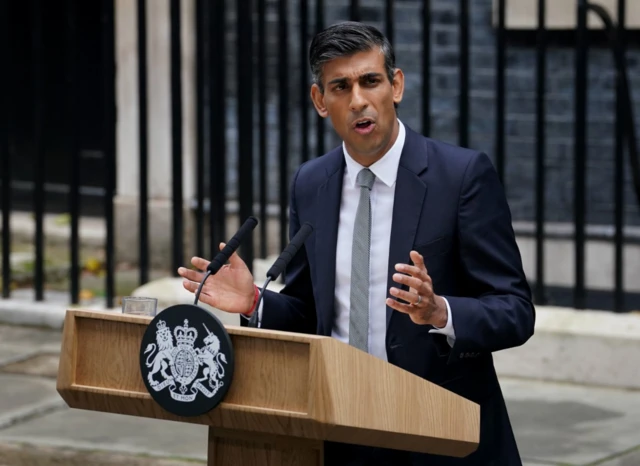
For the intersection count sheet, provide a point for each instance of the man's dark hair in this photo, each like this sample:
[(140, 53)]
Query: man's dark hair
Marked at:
[(344, 39)]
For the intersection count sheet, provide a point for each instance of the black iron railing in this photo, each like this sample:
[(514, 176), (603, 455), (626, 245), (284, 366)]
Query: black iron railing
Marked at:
[(265, 78)]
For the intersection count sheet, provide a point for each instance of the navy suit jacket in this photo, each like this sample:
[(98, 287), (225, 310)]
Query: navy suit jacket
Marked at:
[(450, 207)]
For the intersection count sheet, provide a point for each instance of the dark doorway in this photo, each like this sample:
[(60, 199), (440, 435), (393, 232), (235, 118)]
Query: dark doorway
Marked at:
[(60, 88)]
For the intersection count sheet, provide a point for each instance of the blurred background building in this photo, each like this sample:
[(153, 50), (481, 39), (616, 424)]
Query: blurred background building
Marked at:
[(136, 134)]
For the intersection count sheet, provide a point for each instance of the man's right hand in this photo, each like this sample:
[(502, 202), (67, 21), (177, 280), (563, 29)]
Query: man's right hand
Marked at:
[(231, 289)]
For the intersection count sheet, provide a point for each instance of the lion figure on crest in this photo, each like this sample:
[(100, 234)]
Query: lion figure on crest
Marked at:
[(161, 361)]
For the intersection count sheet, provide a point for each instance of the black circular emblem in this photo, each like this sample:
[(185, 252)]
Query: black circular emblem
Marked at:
[(186, 360)]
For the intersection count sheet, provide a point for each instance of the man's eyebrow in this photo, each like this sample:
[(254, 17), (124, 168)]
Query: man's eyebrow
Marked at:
[(337, 81), (369, 75)]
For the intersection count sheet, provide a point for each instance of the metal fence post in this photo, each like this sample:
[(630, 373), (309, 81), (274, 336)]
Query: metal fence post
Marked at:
[(580, 153)]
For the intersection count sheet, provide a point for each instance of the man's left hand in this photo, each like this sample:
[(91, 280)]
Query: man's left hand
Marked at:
[(423, 305)]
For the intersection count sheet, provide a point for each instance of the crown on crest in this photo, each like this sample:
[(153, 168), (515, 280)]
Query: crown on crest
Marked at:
[(161, 324), (185, 335)]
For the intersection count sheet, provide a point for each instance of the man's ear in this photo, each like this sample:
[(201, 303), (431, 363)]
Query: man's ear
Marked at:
[(317, 97), (398, 86)]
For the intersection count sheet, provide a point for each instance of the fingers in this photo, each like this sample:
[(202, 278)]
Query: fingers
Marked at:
[(200, 263), (190, 285), (417, 259), (193, 287), (413, 271), (401, 307), (407, 296), (235, 260), (411, 282), (413, 275), (192, 275), (409, 269)]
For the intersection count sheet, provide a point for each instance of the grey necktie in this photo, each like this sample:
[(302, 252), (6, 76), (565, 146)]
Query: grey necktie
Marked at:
[(359, 312)]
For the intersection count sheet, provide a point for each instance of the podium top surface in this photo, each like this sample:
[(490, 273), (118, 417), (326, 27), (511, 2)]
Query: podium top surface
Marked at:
[(284, 384)]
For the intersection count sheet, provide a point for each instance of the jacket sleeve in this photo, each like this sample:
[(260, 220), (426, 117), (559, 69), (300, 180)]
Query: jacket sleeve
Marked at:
[(497, 311), (293, 308)]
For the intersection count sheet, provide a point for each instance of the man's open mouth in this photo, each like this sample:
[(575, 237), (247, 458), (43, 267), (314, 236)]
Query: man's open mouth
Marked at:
[(364, 126)]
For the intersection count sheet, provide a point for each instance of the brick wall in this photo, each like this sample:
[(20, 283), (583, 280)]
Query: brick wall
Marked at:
[(520, 88)]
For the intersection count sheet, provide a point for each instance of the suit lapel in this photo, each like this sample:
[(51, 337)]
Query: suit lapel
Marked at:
[(410, 194), (327, 221)]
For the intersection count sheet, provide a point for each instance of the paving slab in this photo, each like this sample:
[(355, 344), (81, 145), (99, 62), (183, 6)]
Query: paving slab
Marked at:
[(20, 343), (24, 397), (43, 364), (631, 458), (558, 423), (28, 338), (95, 431), (10, 354), (29, 455)]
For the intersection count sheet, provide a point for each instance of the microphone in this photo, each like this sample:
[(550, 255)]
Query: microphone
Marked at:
[(281, 263), (223, 256), (292, 248)]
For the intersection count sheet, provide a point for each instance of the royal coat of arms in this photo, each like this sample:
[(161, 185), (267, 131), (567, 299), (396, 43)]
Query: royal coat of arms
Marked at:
[(185, 369)]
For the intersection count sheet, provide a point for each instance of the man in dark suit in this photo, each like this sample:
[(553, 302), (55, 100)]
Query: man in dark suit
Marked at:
[(413, 258)]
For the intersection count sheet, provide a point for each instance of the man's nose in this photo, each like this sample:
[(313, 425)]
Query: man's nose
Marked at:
[(358, 100)]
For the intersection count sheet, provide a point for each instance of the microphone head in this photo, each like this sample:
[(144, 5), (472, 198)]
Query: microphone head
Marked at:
[(290, 251), (252, 221), (306, 229), (223, 256)]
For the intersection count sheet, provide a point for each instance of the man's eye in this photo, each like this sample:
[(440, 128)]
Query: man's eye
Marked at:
[(339, 87)]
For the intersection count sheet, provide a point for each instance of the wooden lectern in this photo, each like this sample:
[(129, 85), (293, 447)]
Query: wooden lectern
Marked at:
[(290, 392)]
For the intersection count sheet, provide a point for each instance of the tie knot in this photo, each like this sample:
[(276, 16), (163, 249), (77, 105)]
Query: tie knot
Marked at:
[(365, 178)]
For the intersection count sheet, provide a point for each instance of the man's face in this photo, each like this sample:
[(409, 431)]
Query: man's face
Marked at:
[(359, 99)]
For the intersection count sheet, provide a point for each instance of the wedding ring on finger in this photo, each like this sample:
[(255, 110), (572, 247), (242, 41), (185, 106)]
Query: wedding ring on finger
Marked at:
[(418, 301)]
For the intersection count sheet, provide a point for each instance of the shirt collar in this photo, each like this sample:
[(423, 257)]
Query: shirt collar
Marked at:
[(385, 169)]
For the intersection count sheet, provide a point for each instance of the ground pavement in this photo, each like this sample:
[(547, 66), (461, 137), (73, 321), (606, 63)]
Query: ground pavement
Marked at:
[(555, 424)]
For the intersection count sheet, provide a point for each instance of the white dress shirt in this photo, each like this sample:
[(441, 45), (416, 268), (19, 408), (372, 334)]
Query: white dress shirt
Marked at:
[(382, 198)]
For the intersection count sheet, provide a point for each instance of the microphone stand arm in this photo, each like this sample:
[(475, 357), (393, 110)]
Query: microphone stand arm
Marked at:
[(253, 322), (206, 275)]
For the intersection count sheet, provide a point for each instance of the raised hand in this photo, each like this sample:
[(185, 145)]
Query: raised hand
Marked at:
[(230, 290), (422, 304)]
